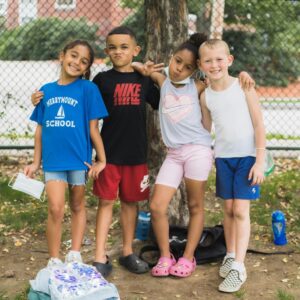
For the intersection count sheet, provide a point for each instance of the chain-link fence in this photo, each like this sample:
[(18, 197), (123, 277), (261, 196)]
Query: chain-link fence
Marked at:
[(263, 35)]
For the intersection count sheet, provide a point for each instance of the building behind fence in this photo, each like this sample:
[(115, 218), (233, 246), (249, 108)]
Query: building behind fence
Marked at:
[(263, 35)]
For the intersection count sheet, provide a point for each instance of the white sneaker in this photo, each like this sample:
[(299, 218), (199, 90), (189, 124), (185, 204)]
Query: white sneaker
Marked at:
[(233, 281), (73, 256), (54, 261), (226, 266)]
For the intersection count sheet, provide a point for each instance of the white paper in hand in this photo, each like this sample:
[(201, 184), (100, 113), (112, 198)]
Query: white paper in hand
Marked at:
[(27, 185)]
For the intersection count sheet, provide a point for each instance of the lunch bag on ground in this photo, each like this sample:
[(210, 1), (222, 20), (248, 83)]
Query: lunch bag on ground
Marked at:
[(211, 246)]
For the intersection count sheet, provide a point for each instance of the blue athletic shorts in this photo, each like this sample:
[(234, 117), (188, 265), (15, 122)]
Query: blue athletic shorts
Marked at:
[(73, 177), (232, 178)]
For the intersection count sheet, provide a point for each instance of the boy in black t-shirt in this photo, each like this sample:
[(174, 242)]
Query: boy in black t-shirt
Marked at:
[(125, 93)]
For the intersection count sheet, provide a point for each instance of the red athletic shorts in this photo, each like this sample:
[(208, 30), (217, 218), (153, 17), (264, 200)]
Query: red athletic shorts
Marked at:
[(130, 183)]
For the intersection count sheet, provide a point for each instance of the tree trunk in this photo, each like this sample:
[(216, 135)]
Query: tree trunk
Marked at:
[(166, 28)]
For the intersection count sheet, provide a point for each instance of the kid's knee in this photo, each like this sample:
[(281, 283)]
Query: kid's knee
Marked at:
[(156, 210), (195, 207), (77, 206), (240, 214), (228, 211), (56, 213), (106, 204)]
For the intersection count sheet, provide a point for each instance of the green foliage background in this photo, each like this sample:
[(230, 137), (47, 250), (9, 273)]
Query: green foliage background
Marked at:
[(263, 35), (265, 42), (43, 39), (271, 48)]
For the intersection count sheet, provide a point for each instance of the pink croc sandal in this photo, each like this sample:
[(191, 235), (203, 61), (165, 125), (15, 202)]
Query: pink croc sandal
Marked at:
[(163, 266), (183, 268)]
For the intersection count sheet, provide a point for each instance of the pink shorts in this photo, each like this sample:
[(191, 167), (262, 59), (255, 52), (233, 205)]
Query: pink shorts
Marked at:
[(189, 161), (130, 183)]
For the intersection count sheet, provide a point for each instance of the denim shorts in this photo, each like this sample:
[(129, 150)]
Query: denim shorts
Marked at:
[(72, 177)]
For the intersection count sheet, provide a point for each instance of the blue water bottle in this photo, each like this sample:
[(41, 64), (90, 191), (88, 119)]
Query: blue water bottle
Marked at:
[(278, 226), (143, 226)]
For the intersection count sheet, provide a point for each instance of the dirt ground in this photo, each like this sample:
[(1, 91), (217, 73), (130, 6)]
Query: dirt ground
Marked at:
[(266, 273)]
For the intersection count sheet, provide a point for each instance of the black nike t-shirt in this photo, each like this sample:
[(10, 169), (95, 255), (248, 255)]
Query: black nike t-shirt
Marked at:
[(124, 130)]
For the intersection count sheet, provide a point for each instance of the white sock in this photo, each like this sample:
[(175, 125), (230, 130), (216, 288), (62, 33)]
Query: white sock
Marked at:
[(236, 265), (54, 259), (74, 252), (230, 254)]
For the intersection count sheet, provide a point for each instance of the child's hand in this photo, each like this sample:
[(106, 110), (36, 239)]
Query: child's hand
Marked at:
[(256, 174), (36, 97), (95, 169), (246, 81), (151, 67), (148, 68), (30, 170)]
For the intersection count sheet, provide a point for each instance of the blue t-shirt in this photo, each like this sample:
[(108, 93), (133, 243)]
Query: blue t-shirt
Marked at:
[(64, 114)]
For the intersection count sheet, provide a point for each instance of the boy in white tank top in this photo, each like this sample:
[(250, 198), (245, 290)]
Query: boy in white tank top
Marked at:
[(239, 153)]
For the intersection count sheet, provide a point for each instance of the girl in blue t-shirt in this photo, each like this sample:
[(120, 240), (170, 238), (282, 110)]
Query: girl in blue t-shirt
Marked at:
[(67, 127)]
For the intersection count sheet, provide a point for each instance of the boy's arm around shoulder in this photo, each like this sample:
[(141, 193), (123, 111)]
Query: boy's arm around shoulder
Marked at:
[(153, 94), (152, 70), (257, 171), (97, 78), (206, 116), (200, 86), (246, 81)]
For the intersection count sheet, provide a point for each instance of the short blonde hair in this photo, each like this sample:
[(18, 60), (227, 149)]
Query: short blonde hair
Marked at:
[(211, 43)]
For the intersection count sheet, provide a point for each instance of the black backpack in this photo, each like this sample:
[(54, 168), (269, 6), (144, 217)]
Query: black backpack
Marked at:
[(211, 246)]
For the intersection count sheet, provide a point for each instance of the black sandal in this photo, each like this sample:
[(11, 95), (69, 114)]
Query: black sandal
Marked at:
[(103, 268), (134, 264)]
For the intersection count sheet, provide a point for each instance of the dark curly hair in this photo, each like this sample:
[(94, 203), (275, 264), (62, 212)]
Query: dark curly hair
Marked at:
[(192, 44)]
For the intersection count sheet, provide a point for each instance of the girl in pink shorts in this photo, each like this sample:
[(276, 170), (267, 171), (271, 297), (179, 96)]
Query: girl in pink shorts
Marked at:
[(189, 156)]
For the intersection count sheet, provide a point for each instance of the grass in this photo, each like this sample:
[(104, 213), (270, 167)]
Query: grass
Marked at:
[(283, 295), (281, 190), (22, 212), (279, 101), (19, 211), (20, 296), (240, 294), (14, 136), (278, 136)]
